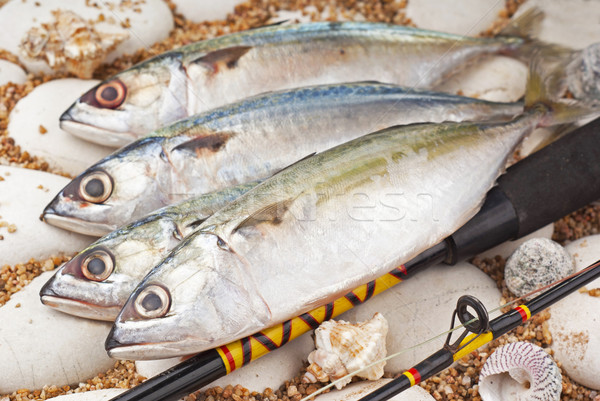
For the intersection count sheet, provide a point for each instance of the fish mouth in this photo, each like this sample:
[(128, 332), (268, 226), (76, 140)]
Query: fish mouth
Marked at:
[(90, 133), (141, 351), (76, 225), (80, 308)]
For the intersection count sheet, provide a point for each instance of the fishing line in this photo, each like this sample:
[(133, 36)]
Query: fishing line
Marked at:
[(446, 333)]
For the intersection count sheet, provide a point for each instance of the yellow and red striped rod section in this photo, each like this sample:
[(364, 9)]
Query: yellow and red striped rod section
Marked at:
[(241, 352)]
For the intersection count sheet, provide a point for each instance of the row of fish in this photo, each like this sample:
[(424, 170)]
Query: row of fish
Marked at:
[(253, 242)]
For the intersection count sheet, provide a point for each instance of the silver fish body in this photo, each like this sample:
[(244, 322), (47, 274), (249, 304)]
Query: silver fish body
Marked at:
[(96, 283), (245, 141), (313, 232), (215, 72)]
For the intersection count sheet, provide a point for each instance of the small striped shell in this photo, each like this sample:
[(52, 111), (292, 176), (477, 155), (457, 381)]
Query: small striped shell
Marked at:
[(532, 375), (343, 348)]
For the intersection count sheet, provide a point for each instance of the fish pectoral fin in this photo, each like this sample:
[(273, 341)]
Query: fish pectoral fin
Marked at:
[(223, 58), (211, 142), (270, 214)]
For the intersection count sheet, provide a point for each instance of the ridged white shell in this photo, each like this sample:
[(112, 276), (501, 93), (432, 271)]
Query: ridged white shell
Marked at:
[(343, 348), (532, 375)]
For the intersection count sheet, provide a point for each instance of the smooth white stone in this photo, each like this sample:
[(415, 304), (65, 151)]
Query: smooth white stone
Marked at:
[(271, 370), (462, 17), (43, 106), (356, 391), (198, 11), (42, 346), (10, 72), (21, 203), (572, 23), (421, 307), (150, 25), (96, 395), (496, 78), (575, 322), (507, 248)]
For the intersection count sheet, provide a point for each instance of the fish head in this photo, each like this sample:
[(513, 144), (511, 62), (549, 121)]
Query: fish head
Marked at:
[(197, 298), (117, 190), (130, 104), (96, 283)]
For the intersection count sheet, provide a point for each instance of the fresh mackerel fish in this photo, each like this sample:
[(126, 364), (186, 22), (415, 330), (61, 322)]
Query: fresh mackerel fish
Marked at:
[(96, 283), (215, 72), (242, 142), (322, 227)]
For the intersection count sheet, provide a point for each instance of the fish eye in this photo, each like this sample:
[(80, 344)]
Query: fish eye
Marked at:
[(97, 266), (95, 187), (153, 301), (111, 94)]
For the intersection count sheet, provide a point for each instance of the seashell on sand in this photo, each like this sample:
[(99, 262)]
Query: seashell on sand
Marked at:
[(535, 264), (520, 371), (344, 348), (70, 43)]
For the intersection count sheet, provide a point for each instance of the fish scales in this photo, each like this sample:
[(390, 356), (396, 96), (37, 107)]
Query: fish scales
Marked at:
[(314, 241), (249, 140), (215, 72)]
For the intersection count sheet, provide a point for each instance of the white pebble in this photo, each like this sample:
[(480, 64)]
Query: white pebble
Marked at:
[(574, 322), (42, 346), (535, 264), (571, 23), (198, 11), (10, 72), (356, 391), (23, 195), (60, 149), (96, 395), (507, 248), (144, 23), (462, 17)]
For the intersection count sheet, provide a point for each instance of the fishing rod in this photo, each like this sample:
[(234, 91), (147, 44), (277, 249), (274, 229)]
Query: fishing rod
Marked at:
[(524, 200), (480, 331)]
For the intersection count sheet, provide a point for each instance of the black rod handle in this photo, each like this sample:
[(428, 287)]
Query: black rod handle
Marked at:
[(560, 178), (538, 190)]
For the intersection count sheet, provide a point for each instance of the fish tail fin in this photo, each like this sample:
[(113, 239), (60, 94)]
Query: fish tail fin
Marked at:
[(525, 29), (546, 85), (526, 26)]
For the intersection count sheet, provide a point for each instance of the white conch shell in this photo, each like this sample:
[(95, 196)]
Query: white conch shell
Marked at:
[(343, 348), (70, 43), (525, 363)]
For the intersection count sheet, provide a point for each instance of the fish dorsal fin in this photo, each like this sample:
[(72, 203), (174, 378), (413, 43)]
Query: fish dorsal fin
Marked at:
[(223, 58), (270, 214), (276, 23), (211, 142), (296, 162)]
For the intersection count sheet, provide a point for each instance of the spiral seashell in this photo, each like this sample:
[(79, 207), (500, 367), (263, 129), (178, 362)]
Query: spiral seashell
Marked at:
[(343, 348), (532, 375)]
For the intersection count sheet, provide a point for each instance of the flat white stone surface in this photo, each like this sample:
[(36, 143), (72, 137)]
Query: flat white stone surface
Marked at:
[(97, 395), (198, 11), (575, 322), (23, 195), (573, 23), (356, 391), (507, 248), (10, 72), (462, 17), (42, 346), (150, 24), (43, 107)]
